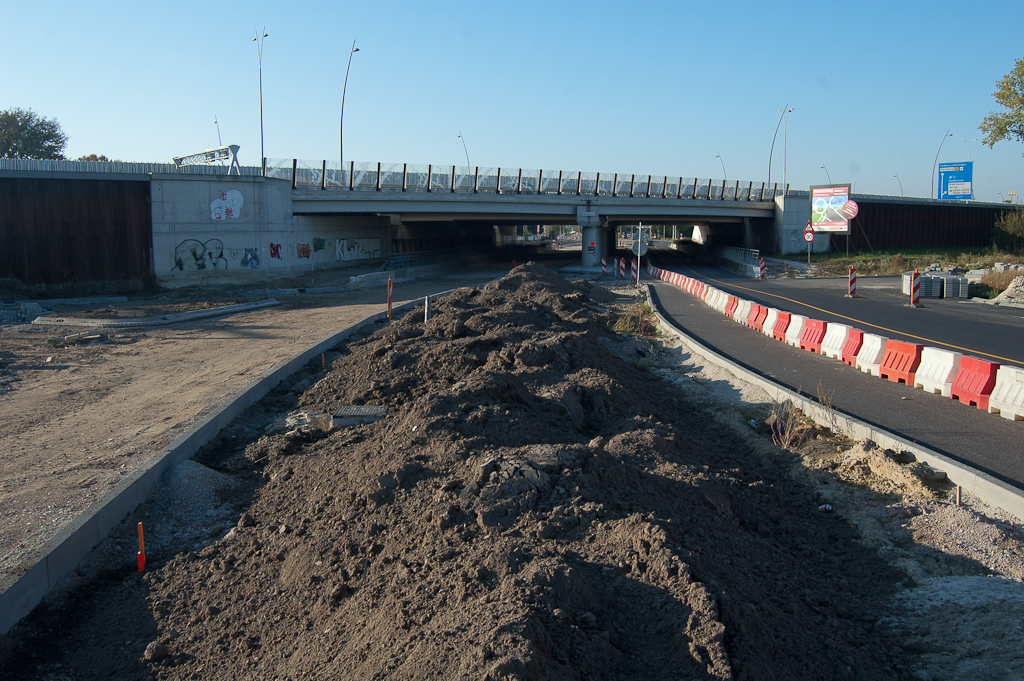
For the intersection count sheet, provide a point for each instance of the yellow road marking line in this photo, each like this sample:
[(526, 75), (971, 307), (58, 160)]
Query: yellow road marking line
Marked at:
[(858, 321)]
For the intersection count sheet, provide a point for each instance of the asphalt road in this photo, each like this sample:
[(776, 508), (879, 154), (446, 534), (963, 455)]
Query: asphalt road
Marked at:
[(986, 441)]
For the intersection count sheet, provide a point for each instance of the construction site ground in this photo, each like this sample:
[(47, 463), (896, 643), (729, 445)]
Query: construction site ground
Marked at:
[(544, 498)]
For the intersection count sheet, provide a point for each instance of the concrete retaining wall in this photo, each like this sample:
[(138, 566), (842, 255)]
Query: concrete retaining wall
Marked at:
[(228, 229)]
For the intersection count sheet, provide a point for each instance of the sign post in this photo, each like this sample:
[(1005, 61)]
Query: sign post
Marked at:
[(809, 238)]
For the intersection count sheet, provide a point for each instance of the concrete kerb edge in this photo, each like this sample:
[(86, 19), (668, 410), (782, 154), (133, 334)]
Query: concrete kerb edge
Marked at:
[(72, 543), (160, 321), (990, 490)]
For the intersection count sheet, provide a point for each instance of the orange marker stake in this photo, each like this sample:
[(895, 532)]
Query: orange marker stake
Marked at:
[(142, 551)]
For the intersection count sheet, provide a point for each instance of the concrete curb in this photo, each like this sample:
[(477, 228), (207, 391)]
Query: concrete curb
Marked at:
[(64, 552), (990, 490), (158, 321)]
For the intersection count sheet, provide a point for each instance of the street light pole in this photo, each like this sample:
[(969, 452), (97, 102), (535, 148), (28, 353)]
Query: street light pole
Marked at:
[(785, 149), (784, 110), (719, 157), (341, 123), (896, 175), (468, 167), (826, 173), (970, 143), (936, 163), (259, 52)]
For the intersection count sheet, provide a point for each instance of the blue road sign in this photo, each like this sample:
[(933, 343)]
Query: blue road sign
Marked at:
[(956, 180)]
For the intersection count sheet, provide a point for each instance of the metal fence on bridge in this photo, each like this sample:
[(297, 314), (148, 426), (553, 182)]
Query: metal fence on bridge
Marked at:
[(496, 180), (442, 178)]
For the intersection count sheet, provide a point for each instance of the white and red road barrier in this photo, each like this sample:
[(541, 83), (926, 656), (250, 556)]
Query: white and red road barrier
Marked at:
[(604, 266), (634, 271), (851, 289), (760, 268), (972, 381), (391, 288), (622, 268)]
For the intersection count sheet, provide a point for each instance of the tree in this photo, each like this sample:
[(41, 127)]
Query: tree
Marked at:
[(25, 134), (1009, 230), (1009, 94), (93, 157)]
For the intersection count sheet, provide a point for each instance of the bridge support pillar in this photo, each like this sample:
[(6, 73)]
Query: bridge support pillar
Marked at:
[(595, 245)]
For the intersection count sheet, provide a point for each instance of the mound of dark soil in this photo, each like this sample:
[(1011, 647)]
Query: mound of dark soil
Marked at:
[(535, 504)]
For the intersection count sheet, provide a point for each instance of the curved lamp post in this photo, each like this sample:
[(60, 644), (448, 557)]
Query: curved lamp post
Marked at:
[(468, 167), (970, 143), (896, 175), (936, 163), (259, 52), (826, 173), (719, 157), (341, 124), (785, 110)]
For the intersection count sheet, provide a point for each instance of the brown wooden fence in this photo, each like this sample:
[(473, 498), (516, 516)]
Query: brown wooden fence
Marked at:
[(61, 234)]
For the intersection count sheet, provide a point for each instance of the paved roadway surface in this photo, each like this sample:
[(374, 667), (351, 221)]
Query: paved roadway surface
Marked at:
[(986, 441)]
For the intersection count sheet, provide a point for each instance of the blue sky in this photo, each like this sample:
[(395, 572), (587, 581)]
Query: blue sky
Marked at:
[(652, 87)]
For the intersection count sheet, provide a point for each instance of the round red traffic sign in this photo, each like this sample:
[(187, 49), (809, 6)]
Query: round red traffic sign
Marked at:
[(808, 236)]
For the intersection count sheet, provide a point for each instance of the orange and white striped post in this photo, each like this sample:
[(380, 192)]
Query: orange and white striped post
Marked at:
[(851, 288), (915, 289), (760, 269), (622, 268), (604, 266), (634, 271)]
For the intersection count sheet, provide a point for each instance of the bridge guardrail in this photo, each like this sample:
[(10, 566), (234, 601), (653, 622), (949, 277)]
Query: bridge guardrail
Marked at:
[(408, 177)]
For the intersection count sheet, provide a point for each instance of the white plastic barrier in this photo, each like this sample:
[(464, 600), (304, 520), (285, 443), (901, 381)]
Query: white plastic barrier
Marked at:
[(834, 340), (742, 311), (721, 300), (937, 370), (872, 352), (769, 321), (1007, 398), (795, 330)]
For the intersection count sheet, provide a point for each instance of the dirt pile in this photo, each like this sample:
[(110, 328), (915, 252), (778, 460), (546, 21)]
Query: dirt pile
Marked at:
[(537, 503), (1014, 293)]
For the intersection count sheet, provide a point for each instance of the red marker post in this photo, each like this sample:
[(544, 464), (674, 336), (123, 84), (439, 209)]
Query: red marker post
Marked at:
[(142, 551), (391, 286), (851, 289)]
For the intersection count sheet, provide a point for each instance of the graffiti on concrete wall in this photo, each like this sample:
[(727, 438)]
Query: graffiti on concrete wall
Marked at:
[(319, 244), (227, 205), (356, 249), (251, 259), (192, 254), (275, 250), (303, 251)]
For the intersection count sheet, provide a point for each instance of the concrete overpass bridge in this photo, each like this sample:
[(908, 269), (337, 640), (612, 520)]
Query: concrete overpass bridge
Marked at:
[(419, 199), (65, 222)]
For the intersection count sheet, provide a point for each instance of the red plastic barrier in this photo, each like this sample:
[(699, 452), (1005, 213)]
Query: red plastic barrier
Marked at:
[(814, 333), (854, 339), (752, 316), (730, 308), (974, 381), (781, 325), (762, 314), (901, 361)]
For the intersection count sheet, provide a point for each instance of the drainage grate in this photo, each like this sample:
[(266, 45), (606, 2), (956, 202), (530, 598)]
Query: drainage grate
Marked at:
[(354, 415)]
